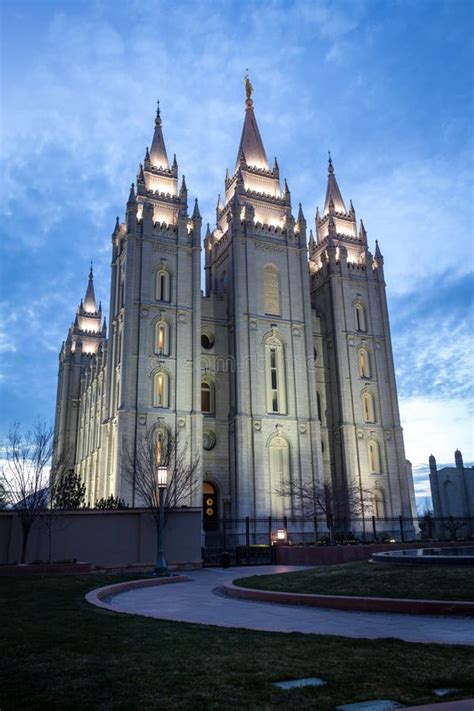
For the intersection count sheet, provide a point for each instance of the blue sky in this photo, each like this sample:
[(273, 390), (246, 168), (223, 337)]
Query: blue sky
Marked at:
[(386, 85)]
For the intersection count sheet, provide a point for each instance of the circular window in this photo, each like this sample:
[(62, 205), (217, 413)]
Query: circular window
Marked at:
[(208, 439), (207, 340)]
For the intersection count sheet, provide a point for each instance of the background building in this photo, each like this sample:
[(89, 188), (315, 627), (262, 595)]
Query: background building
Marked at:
[(280, 372), (452, 489)]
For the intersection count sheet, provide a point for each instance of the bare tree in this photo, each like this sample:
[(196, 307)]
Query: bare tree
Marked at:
[(24, 476), (325, 500), (161, 447), (453, 526)]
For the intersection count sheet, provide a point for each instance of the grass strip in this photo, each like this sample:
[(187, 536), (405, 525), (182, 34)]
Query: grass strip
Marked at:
[(373, 580)]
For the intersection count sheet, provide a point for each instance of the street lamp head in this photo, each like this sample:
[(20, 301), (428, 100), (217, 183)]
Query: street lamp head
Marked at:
[(162, 477)]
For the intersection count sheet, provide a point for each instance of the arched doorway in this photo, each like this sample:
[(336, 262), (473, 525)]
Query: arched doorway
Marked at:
[(210, 512)]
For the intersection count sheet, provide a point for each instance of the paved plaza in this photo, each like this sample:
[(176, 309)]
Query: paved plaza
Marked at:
[(199, 601)]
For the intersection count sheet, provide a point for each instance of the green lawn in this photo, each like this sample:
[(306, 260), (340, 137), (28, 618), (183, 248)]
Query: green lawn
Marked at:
[(374, 580), (58, 652)]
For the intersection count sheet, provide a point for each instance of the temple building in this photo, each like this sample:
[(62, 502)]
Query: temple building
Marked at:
[(279, 370)]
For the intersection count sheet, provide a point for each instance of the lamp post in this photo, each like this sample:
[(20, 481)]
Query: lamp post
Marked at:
[(161, 568)]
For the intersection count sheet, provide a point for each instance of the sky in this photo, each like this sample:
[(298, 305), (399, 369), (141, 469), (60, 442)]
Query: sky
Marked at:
[(386, 85)]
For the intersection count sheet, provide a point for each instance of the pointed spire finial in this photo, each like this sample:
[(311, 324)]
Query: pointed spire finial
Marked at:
[(132, 197), (378, 253), (158, 156), (333, 194), (147, 155), (301, 217), (196, 213), (89, 303)]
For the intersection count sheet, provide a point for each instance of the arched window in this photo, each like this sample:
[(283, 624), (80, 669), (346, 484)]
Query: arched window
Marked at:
[(275, 376), (379, 503), (162, 338), (360, 320), (161, 390), (374, 456), (280, 475), (163, 285), (368, 409), (207, 397), (271, 290), (364, 363)]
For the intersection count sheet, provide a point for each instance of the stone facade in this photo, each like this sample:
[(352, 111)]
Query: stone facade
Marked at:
[(281, 371)]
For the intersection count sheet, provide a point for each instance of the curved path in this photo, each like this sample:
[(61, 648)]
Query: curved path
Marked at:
[(196, 601)]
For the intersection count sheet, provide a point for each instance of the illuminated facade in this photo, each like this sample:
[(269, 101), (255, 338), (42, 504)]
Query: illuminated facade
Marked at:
[(280, 371)]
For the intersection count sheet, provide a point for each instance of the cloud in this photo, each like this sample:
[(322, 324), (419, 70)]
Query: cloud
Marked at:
[(436, 426)]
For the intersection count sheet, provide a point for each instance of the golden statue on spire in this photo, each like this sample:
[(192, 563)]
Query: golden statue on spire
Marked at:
[(248, 85)]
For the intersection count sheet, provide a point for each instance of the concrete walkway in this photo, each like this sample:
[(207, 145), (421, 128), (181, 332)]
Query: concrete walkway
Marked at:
[(196, 601)]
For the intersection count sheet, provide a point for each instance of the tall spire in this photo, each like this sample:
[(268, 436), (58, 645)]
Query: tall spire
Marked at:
[(333, 194), (158, 156), (251, 145), (89, 303)]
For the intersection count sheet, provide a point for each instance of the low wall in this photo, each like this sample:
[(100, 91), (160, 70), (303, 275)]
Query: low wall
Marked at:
[(332, 555), (104, 538)]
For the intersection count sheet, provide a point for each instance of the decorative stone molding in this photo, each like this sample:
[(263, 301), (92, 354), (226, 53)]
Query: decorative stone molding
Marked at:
[(257, 425)]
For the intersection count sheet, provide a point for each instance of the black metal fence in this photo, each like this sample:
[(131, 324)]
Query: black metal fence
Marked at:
[(250, 541)]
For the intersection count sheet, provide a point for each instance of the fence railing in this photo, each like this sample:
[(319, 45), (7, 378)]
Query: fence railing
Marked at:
[(231, 534)]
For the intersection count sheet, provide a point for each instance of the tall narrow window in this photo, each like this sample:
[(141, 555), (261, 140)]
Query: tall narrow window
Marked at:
[(161, 390), (274, 379), (374, 457), (360, 320), (379, 503), (275, 376), (163, 285), (207, 397), (368, 407), (364, 363), (162, 346), (318, 396), (280, 475)]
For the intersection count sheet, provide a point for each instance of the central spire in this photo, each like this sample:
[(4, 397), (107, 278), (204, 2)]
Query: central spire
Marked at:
[(90, 304), (333, 199), (251, 148), (158, 156)]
